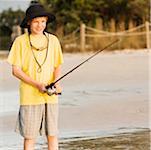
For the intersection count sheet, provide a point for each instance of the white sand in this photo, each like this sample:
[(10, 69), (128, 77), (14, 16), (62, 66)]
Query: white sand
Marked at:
[(109, 93)]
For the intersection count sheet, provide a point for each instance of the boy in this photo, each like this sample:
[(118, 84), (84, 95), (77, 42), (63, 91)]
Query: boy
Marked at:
[(36, 59)]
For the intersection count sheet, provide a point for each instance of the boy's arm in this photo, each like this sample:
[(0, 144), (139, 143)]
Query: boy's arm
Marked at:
[(57, 74), (17, 72)]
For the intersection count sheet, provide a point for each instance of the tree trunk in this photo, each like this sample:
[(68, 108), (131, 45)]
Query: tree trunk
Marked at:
[(112, 25)]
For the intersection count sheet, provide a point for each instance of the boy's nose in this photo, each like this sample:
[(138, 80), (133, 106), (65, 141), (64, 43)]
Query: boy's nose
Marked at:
[(39, 24)]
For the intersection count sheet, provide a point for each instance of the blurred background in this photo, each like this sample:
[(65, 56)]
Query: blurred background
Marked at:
[(82, 24), (109, 95)]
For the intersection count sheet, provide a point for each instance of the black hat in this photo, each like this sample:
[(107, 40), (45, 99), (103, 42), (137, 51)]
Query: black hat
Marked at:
[(36, 10)]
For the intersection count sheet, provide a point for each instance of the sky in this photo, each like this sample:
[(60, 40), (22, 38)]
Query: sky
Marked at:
[(14, 4)]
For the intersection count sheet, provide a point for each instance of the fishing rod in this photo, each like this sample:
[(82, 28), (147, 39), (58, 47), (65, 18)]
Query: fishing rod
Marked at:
[(50, 89)]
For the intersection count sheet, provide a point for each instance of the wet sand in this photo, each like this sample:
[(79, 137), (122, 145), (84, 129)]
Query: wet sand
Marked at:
[(128, 141)]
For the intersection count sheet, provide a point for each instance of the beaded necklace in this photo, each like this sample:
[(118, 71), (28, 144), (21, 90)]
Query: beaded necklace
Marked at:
[(39, 49)]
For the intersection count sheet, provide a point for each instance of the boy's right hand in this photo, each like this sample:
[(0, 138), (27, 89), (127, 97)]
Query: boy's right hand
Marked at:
[(41, 87)]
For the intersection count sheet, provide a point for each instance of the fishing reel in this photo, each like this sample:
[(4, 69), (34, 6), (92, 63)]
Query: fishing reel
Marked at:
[(51, 90)]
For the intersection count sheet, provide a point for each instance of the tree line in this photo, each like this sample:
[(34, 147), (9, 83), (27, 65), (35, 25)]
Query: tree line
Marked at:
[(70, 14)]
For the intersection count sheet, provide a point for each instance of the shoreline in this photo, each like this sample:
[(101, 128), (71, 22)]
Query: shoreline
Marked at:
[(8, 120), (139, 140)]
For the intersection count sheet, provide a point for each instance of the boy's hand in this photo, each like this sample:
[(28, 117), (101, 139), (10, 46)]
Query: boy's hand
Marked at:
[(53, 89), (41, 87), (58, 88)]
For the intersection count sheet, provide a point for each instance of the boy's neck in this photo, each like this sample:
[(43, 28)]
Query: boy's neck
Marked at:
[(37, 35)]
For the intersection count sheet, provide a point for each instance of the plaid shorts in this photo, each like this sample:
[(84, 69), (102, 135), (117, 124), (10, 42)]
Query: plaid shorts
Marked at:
[(34, 120)]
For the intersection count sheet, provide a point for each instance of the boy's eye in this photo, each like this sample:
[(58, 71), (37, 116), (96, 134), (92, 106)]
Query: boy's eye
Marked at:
[(34, 21), (44, 20)]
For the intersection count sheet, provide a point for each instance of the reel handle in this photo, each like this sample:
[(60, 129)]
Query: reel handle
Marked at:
[(51, 90), (50, 86)]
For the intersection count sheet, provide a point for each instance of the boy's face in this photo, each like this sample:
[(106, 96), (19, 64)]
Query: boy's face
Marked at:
[(38, 24)]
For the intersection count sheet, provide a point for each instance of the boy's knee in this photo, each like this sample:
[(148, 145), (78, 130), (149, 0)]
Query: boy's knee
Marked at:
[(28, 140), (52, 137)]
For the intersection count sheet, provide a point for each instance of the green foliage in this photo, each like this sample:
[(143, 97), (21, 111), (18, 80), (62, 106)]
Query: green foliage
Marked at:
[(11, 17), (8, 19), (5, 43), (70, 13), (139, 9)]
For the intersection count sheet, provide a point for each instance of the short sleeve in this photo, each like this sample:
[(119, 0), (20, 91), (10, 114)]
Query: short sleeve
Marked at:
[(14, 57), (58, 56)]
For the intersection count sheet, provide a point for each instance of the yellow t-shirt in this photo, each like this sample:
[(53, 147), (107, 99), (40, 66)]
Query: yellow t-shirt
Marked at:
[(21, 55)]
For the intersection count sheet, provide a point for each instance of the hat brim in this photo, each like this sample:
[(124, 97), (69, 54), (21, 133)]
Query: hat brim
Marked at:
[(24, 23)]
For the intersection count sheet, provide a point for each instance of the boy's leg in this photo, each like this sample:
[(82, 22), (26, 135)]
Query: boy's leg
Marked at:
[(52, 142), (29, 144), (51, 124)]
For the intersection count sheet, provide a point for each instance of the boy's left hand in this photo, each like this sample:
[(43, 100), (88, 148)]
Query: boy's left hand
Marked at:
[(58, 88)]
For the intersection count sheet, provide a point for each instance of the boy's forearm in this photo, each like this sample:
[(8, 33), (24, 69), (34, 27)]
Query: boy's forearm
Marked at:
[(57, 73)]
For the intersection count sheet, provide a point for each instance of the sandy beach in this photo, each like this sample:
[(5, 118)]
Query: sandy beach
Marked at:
[(104, 105)]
